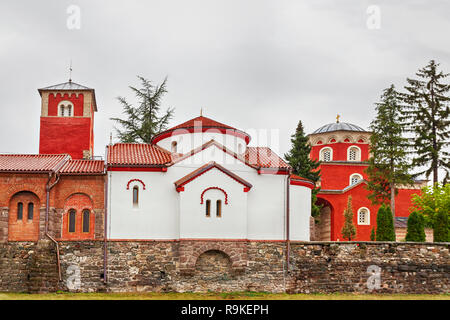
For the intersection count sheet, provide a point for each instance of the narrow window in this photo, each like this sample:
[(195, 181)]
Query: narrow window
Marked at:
[(353, 154), (363, 216), (135, 196), (69, 110), (86, 220), (174, 146), (72, 217), (326, 154), (208, 208), (30, 210), (20, 211), (218, 208), (62, 111)]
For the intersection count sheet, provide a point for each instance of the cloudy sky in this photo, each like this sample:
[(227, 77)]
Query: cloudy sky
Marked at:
[(259, 65)]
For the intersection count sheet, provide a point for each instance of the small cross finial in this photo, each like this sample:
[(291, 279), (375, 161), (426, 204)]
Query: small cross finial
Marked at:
[(70, 71), (337, 118), (110, 138), (201, 112)]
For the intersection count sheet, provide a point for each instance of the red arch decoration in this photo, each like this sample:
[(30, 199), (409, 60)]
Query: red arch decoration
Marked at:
[(132, 180), (217, 188)]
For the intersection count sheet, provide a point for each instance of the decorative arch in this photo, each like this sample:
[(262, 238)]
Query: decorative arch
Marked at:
[(353, 176), (322, 154), (358, 153), (25, 187), (216, 188), (25, 228), (78, 203), (361, 139), (135, 180)]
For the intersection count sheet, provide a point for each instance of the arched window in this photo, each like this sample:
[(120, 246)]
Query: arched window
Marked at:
[(363, 216), (135, 196), (174, 146), (30, 210), (208, 208), (86, 220), (326, 154), (20, 211), (72, 220), (354, 178), (353, 154), (219, 208), (65, 109)]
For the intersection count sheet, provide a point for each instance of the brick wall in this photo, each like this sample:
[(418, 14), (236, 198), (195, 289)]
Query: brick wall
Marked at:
[(157, 266)]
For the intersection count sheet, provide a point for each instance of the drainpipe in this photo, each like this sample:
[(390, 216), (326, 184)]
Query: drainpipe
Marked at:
[(48, 187), (288, 243), (105, 215)]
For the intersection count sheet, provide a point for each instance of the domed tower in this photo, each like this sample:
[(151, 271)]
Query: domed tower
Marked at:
[(67, 120)]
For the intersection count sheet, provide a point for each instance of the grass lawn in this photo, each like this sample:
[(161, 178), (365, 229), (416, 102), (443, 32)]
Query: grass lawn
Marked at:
[(218, 296)]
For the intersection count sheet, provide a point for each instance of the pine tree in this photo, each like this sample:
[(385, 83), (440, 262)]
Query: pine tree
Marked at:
[(348, 230), (388, 164), (143, 121), (416, 227), (385, 224), (299, 159), (426, 116), (441, 227)]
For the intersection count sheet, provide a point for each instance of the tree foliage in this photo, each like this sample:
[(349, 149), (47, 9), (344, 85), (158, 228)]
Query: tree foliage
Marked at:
[(416, 227), (385, 224), (143, 121), (299, 159), (348, 230), (388, 164), (426, 117), (441, 231), (431, 201)]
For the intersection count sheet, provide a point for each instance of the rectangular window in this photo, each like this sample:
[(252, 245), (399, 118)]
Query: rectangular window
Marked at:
[(219, 208), (208, 208), (72, 217), (86, 221), (30, 210), (20, 211)]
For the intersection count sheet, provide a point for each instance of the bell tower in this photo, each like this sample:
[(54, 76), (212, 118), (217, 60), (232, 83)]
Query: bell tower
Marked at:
[(67, 120)]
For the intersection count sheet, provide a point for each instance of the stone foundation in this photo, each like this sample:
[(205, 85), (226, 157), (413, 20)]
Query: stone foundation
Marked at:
[(201, 266)]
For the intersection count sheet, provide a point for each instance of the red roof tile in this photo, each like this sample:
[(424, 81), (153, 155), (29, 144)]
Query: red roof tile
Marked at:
[(135, 154), (30, 162), (83, 167), (264, 157)]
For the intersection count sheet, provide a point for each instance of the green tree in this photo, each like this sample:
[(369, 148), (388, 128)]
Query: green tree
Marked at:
[(299, 159), (385, 224), (416, 227), (426, 116), (441, 232), (348, 230), (431, 201), (388, 164), (143, 121), (372, 234)]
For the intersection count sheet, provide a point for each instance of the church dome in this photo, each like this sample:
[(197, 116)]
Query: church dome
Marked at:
[(339, 126)]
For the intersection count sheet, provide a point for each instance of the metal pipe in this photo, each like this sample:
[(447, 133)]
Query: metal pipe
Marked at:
[(48, 187), (288, 243), (105, 215)]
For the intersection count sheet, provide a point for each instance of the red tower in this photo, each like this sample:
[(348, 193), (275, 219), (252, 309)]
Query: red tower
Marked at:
[(343, 149), (67, 120)]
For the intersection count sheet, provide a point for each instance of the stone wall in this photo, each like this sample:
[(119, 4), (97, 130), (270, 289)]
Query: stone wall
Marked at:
[(165, 266)]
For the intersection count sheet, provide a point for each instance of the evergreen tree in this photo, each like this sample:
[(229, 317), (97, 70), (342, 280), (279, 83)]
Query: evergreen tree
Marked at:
[(299, 159), (388, 164), (143, 121), (441, 227), (385, 224), (348, 230), (372, 234), (426, 116), (416, 227)]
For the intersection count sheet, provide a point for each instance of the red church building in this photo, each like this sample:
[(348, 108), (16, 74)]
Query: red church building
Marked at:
[(343, 149)]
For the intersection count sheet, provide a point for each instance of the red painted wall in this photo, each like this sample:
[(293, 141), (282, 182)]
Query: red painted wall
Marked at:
[(77, 101), (403, 202), (337, 177), (66, 135), (340, 150)]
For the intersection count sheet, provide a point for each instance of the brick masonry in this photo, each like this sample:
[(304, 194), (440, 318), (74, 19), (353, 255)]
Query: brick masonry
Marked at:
[(167, 266)]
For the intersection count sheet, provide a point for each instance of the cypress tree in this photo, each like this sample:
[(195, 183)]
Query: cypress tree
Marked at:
[(385, 224), (416, 227), (441, 227), (388, 164), (372, 234), (299, 159), (143, 120), (348, 230), (426, 115)]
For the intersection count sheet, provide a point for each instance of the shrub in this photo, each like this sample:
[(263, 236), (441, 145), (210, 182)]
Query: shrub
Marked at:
[(385, 224), (416, 227)]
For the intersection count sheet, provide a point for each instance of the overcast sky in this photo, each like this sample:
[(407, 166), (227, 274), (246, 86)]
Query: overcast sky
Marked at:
[(249, 64)]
